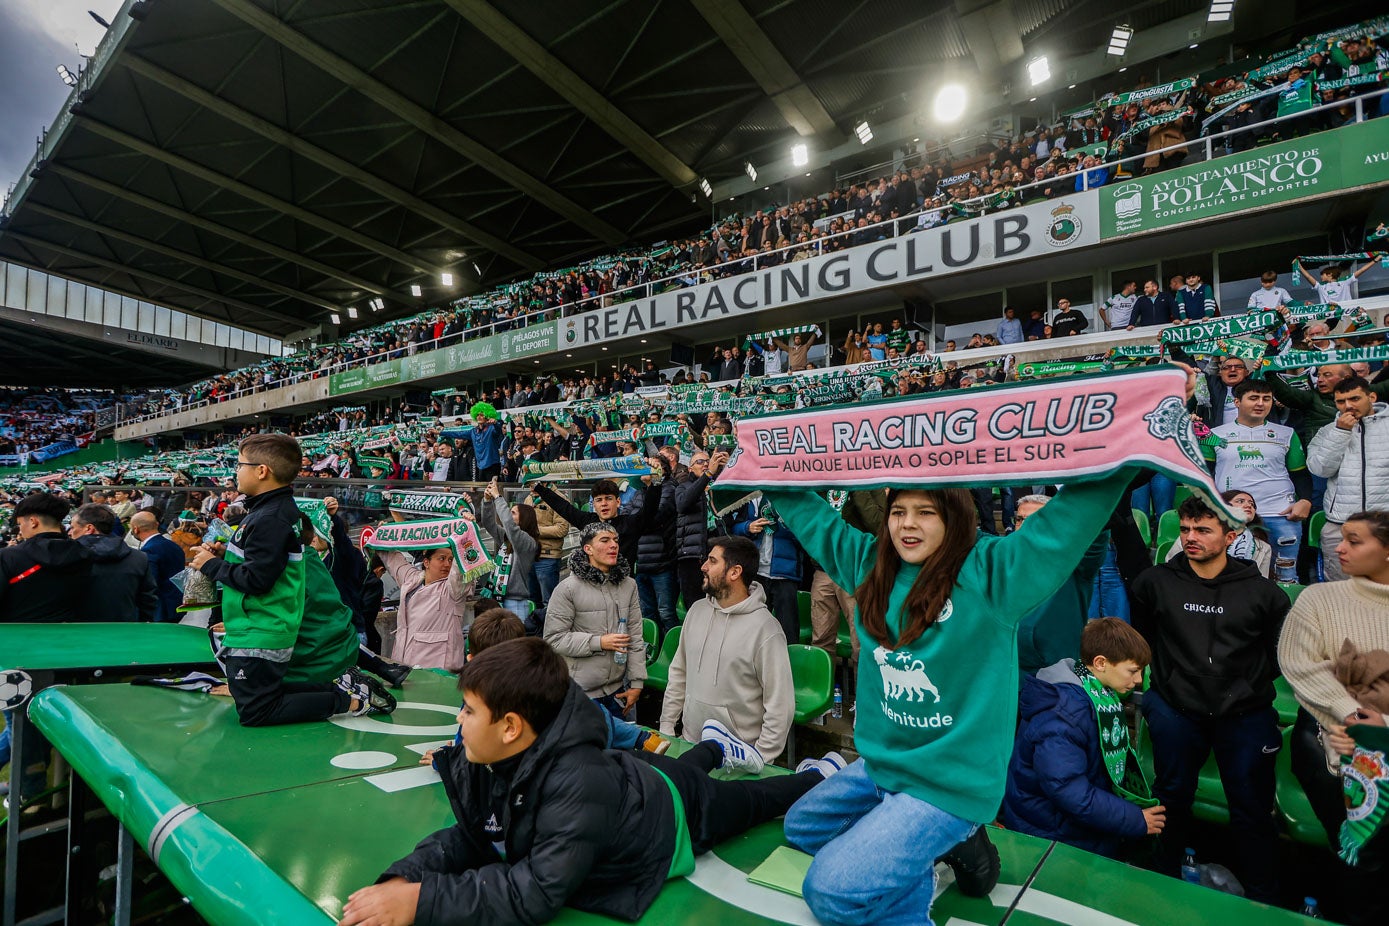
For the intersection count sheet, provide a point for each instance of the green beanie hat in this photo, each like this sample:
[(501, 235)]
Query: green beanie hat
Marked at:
[(483, 410)]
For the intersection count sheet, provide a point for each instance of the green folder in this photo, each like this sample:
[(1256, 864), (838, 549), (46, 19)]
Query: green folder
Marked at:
[(784, 870)]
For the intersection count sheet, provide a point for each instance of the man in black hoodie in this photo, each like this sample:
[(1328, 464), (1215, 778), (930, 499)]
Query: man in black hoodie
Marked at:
[(1213, 623), (122, 585), (43, 579)]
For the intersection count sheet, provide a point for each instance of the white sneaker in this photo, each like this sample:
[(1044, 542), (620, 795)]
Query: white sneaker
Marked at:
[(831, 762), (737, 755)]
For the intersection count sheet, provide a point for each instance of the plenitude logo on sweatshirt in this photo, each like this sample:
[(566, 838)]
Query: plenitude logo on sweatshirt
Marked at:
[(907, 687)]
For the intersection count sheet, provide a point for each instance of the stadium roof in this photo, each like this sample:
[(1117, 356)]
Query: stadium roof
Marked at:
[(268, 162)]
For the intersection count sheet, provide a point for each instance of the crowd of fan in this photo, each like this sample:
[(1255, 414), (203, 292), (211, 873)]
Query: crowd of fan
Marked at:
[(38, 419), (922, 191)]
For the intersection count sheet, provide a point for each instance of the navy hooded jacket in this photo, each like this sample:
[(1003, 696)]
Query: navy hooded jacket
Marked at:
[(1057, 785)]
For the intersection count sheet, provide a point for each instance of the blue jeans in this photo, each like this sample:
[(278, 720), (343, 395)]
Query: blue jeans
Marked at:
[(1246, 751), (5, 741), (875, 851), (656, 591), (1286, 539), (547, 574), (621, 734), (1110, 599), (518, 606), (1158, 494)]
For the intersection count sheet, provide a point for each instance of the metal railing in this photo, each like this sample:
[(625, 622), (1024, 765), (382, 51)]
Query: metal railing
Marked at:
[(817, 246)]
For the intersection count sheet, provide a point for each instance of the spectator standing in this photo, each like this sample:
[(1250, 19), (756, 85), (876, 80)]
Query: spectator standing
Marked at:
[(1220, 392), (779, 562), (584, 619), (1068, 321), (1213, 624), (1267, 461), (553, 530), (1333, 625), (1152, 308), (1352, 455), (166, 560), (518, 543), (1118, 308), (1197, 299), (1269, 295), (731, 667), (486, 436), (121, 587), (433, 610), (695, 522), (1010, 328), (44, 577)]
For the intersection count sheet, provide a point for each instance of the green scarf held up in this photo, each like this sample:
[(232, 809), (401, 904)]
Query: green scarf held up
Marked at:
[(1365, 785), (1120, 761)]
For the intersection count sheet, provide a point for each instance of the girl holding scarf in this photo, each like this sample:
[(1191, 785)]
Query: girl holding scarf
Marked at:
[(938, 612), (939, 606), (518, 544)]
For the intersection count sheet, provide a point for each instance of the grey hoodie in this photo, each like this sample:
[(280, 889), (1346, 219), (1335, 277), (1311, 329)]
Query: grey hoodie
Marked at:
[(732, 666)]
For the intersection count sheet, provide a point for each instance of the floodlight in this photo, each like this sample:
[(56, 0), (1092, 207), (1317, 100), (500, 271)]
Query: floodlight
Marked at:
[(800, 155), (864, 132), (1039, 70), (950, 103), (1119, 40)]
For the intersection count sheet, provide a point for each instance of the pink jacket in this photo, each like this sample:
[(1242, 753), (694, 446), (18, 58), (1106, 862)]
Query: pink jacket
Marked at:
[(429, 626)]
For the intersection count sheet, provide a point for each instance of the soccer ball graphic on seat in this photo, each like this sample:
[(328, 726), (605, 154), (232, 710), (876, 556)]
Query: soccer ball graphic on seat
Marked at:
[(15, 688)]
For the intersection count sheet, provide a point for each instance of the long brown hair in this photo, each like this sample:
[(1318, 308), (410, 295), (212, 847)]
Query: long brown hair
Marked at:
[(932, 587), (526, 520)]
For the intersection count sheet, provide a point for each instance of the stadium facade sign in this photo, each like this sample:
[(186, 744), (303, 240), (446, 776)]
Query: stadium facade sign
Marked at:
[(1035, 230), (1324, 163), (457, 358)]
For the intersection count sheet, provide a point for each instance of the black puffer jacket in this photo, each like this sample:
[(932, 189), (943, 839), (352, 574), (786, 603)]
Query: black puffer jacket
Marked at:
[(656, 547), (1215, 641), (121, 587), (583, 827), (691, 522)]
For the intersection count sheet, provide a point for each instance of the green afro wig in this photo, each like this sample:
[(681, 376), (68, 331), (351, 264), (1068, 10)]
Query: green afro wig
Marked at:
[(483, 410)]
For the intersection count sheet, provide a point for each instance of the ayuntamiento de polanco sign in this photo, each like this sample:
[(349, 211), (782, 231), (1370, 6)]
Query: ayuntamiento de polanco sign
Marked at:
[(1317, 164)]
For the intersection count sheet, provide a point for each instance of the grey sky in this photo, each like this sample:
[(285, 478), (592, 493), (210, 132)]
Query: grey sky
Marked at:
[(35, 37)]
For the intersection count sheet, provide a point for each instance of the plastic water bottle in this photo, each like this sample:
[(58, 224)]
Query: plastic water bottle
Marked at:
[(838, 710), (1191, 872), (619, 656), (1310, 909)]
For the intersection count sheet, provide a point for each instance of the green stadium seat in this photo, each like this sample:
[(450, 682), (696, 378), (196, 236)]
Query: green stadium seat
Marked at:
[(651, 633), (1162, 550), (803, 605), (1293, 590), (1314, 529), (1293, 806), (659, 671), (1169, 527), (1181, 495), (1284, 702), (1145, 529), (812, 676)]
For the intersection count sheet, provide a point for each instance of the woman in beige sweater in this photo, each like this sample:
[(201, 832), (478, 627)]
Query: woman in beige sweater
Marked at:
[(1324, 618)]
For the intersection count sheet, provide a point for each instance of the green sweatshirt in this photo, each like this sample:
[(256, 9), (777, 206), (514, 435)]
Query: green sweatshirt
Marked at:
[(935, 719)]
